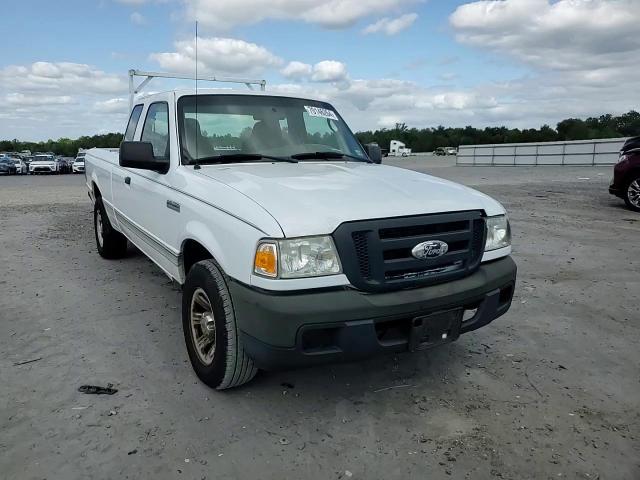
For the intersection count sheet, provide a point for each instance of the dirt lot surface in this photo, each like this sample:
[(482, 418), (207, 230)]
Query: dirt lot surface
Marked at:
[(550, 390)]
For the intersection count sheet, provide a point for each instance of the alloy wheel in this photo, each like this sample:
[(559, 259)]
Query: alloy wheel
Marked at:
[(633, 192), (203, 326), (99, 229)]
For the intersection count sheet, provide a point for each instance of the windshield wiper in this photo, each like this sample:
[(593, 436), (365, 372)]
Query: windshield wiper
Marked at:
[(238, 157), (327, 155)]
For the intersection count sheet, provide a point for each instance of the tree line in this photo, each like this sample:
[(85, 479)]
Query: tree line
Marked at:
[(420, 140), (428, 139), (63, 146)]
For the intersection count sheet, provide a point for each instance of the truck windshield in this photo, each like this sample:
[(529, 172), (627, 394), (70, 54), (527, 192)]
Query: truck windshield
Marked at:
[(262, 125)]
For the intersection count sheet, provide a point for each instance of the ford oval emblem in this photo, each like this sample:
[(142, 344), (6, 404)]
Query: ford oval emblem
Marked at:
[(430, 249)]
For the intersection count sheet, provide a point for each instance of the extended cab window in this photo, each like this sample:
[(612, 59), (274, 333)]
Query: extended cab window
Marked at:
[(156, 129), (133, 123)]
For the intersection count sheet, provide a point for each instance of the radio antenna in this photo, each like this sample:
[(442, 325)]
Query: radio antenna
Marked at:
[(197, 133)]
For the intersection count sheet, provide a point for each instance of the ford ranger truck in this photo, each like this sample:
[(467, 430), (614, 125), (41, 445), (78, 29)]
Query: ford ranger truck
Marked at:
[(294, 246)]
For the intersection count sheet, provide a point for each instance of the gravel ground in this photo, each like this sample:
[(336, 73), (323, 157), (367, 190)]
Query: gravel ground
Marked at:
[(550, 390)]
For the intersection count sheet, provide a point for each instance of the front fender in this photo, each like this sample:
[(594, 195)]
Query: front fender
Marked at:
[(232, 245)]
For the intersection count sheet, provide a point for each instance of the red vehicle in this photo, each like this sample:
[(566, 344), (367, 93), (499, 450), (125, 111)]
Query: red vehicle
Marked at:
[(626, 174)]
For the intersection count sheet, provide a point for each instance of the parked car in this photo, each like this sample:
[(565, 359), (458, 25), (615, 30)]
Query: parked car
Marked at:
[(44, 163), (626, 174), (64, 164), (21, 167), (7, 166), (445, 151), (78, 164), (296, 246)]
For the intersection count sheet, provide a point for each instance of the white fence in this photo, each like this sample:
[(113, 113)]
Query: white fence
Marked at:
[(579, 152)]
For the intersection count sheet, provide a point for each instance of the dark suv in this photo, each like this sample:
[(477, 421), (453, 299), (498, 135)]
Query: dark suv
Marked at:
[(626, 174), (7, 165)]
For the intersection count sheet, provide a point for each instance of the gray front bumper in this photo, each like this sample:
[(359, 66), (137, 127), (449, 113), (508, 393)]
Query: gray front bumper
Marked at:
[(274, 325)]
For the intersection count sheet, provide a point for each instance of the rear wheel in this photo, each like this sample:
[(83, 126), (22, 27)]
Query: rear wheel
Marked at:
[(632, 194), (210, 330), (111, 243)]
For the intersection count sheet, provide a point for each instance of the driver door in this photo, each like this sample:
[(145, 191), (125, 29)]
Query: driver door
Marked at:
[(142, 197)]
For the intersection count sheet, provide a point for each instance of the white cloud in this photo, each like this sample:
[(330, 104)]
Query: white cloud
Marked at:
[(324, 71), (524, 103), (391, 26), (329, 71), (22, 100), (225, 14), (72, 78), (112, 105), (54, 99), (367, 104), (137, 18), (362, 93), (218, 55), (582, 56), (563, 35), (297, 70)]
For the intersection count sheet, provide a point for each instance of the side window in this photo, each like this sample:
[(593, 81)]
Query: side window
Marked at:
[(156, 129), (133, 123)]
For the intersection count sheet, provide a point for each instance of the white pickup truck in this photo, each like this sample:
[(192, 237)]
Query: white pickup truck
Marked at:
[(293, 244)]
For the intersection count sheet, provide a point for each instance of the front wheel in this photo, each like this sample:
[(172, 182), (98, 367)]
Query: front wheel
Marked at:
[(111, 243), (632, 194), (210, 329)]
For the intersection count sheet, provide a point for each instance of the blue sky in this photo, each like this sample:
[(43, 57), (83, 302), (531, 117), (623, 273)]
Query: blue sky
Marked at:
[(515, 62), (82, 31)]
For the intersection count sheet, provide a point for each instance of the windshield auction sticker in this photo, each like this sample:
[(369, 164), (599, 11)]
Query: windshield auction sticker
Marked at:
[(321, 112)]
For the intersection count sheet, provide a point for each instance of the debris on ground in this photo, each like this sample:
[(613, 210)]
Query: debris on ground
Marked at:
[(392, 387), (27, 361), (97, 390)]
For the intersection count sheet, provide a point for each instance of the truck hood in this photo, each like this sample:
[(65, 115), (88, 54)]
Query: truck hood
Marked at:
[(46, 163), (309, 198)]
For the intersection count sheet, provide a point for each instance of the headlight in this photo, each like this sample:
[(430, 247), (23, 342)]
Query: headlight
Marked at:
[(297, 258), (498, 233)]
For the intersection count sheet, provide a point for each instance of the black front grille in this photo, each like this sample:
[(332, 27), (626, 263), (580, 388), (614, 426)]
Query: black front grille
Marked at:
[(362, 252), (376, 254)]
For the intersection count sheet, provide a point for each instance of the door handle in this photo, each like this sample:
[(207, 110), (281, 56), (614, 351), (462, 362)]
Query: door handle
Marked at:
[(127, 180)]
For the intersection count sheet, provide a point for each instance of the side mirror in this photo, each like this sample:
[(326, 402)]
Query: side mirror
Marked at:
[(140, 155), (374, 152)]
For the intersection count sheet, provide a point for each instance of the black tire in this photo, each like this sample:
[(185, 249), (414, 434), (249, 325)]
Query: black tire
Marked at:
[(630, 188), (113, 244), (230, 366)]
